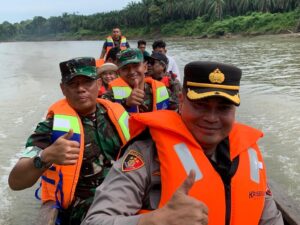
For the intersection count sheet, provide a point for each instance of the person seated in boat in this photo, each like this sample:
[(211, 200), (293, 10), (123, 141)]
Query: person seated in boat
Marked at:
[(107, 73), (111, 56), (160, 46), (73, 149), (198, 166), (116, 39), (141, 44), (146, 56), (135, 92), (157, 69)]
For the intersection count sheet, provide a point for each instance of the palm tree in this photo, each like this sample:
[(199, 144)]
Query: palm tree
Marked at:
[(38, 23), (215, 9), (265, 5), (245, 6)]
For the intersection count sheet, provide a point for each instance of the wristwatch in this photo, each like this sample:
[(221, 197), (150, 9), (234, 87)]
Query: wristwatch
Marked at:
[(38, 162)]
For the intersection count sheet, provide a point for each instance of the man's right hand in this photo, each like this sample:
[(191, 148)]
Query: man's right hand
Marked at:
[(63, 151), (181, 208), (136, 97)]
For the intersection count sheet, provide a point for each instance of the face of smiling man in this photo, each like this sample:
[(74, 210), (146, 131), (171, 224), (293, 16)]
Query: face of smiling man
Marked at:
[(209, 120), (81, 93), (133, 71), (208, 101), (132, 67), (80, 84)]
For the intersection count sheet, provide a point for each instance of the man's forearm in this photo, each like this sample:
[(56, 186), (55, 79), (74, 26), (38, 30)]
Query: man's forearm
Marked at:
[(24, 174), (103, 53)]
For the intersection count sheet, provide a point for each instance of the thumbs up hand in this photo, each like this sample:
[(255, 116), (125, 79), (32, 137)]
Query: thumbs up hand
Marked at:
[(137, 95), (181, 208), (68, 136), (136, 84), (63, 151), (186, 185)]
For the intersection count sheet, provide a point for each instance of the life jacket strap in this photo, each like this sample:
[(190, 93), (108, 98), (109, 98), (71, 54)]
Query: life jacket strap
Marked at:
[(48, 180), (59, 190), (36, 193)]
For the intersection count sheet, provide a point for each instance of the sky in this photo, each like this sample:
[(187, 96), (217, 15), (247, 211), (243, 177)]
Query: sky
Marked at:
[(17, 10)]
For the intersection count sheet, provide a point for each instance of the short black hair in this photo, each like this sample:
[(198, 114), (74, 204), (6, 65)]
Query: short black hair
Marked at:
[(141, 42), (158, 44), (112, 53)]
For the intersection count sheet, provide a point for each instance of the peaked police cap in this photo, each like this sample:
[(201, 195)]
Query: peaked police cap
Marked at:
[(207, 79)]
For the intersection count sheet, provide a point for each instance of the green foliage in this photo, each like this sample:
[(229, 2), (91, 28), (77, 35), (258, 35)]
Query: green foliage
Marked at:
[(255, 23), (165, 17), (155, 13)]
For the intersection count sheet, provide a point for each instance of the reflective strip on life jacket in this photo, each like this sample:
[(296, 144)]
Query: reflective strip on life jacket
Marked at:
[(121, 92), (162, 98), (187, 160), (62, 124), (123, 122), (255, 165)]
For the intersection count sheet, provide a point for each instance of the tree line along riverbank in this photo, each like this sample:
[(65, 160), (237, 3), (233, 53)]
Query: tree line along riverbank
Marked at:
[(165, 18)]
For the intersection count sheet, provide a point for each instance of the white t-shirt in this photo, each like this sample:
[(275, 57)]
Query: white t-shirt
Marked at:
[(173, 67)]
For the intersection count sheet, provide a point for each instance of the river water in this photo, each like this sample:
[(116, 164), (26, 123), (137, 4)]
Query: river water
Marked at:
[(270, 97)]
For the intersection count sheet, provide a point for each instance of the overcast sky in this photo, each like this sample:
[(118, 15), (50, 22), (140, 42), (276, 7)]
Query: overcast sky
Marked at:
[(18, 10)]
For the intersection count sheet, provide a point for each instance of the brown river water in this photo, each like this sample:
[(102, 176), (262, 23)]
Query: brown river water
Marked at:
[(270, 97)]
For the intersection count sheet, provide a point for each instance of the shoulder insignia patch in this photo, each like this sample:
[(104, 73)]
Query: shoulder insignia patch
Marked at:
[(132, 161)]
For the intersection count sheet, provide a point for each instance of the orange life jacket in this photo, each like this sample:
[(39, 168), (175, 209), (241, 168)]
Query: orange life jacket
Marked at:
[(122, 90), (59, 182), (166, 81), (110, 43), (179, 152), (99, 62), (102, 90)]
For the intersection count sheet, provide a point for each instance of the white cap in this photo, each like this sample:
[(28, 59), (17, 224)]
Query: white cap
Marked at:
[(106, 67)]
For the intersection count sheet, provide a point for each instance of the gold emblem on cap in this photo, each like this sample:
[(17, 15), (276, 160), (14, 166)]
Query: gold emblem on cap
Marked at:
[(216, 76)]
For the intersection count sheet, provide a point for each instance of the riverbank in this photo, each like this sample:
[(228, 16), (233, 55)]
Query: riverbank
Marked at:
[(252, 24), (174, 38)]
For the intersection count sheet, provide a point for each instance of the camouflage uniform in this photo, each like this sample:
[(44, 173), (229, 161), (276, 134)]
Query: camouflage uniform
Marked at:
[(174, 88), (102, 144), (147, 106)]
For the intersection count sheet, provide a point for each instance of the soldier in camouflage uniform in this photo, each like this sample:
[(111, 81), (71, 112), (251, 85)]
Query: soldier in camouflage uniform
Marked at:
[(140, 95), (157, 69), (101, 143)]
